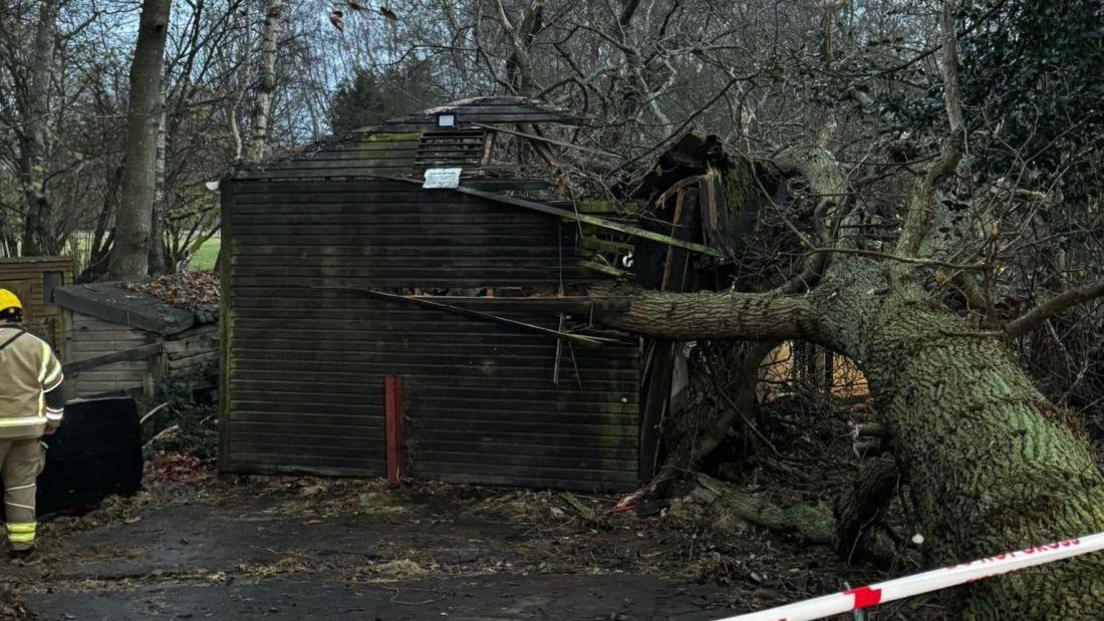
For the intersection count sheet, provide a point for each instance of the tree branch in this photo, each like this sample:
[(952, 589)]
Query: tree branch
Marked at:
[(628, 10), (921, 206), (975, 267), (710, 315), (1036, 316)]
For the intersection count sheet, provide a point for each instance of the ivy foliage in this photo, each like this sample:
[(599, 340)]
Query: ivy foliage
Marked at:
[(1032, 74)]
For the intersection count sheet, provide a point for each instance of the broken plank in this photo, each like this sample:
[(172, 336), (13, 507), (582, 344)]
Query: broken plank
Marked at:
[(603, 269), (420, 301), (605, 245), (572, 216), (581, 507), (595, 220)]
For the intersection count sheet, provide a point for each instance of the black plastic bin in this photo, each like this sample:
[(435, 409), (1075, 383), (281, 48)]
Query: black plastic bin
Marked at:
[(96, 453)]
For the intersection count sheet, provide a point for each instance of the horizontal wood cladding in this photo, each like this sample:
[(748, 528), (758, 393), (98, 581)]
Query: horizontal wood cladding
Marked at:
[(389, 234), (88, 337), (478, 409), (359, 155), (190, 349), (304, 363)]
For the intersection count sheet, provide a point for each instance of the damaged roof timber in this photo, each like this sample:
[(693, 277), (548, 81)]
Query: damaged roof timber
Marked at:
[(566, 214)]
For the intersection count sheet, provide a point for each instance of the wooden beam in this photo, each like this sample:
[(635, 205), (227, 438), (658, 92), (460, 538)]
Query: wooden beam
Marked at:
[(572, 216), (467, 312), (558, 143), (609, 270), (134, 353), (657, 380), (658, 376)]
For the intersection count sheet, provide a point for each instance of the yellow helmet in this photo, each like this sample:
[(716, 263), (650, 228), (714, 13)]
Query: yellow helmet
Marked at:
[(9, 300)]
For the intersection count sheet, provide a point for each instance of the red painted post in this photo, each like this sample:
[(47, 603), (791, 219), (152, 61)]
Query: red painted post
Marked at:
[(393, 428)]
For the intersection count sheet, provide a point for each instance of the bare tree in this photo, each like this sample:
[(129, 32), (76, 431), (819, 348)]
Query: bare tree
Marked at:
[(266, 82), (130, 257), (33, 141)]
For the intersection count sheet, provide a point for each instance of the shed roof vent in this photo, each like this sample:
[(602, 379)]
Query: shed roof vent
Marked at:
[(454, 148)]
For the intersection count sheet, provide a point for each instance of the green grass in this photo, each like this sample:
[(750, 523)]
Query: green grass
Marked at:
[(206, 256)]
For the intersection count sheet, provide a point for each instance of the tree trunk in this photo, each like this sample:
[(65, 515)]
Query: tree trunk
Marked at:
[(519, 66), (130, 255), (266, 76), (158, 261), (32, 158), (991, 464), (99, 252)]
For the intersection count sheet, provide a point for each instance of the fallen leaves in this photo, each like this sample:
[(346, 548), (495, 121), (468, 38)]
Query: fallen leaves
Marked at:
[(188, 290), (11, 607), (180, 469)]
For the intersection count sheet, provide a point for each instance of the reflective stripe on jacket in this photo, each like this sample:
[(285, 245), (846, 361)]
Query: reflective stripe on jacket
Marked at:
[(28, 371)]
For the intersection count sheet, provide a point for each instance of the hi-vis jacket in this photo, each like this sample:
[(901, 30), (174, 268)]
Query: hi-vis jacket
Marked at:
[(30, 377)]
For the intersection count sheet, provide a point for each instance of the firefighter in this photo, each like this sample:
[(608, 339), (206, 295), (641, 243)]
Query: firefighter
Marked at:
[(31, 405)]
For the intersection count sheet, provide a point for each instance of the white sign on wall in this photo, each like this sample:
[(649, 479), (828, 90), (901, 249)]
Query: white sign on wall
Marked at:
[(442, 178)]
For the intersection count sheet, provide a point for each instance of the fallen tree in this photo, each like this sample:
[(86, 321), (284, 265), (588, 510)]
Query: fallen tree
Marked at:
[(990, 463)]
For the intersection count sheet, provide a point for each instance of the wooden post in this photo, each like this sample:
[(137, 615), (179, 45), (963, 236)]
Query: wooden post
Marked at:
[(394, 429), (660, 357)]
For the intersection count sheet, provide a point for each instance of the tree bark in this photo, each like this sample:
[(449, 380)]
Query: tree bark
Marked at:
[(991, 464), (708, 315), (266, 85), (519, 68), (726, 501), (133, 224), (158, 260), (35, 126)]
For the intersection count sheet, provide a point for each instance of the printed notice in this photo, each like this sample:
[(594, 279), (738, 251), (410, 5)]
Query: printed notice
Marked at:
[(442, 178)]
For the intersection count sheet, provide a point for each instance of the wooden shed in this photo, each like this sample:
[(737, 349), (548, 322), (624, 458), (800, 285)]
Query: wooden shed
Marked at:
[(119, 340), (34, 280), (346, 266)]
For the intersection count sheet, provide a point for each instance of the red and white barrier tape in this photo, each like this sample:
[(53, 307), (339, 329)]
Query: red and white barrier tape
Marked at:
[(900, 588)]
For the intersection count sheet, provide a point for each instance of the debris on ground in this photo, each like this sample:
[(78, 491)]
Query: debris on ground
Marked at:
[(180, 468), (192, 529), (11, 605)]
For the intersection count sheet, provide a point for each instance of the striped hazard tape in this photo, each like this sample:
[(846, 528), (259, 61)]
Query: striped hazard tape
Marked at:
[(909, 586)]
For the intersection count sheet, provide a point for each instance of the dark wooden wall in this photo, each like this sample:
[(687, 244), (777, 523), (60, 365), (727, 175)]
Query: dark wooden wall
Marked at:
[(303, 365)]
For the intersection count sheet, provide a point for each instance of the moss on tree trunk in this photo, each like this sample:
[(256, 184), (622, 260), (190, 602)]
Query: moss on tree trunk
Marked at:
[(992, 465)]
